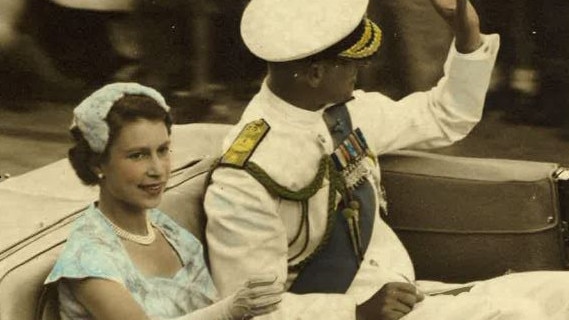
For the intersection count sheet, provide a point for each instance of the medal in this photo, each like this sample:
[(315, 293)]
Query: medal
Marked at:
[(352, 159), (355, 162)]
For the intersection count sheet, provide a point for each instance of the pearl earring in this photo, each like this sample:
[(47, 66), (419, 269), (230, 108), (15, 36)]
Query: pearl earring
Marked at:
[(100, 176)]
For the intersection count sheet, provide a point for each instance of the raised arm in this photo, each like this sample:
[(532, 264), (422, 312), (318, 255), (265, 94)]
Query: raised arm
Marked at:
[(435, 118), (464, 21)]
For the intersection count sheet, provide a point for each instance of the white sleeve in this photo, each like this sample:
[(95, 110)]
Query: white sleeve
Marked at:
[(436, 118), (246, 237)]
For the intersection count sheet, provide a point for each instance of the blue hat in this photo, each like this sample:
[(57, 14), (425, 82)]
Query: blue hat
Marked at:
[(287, 30)]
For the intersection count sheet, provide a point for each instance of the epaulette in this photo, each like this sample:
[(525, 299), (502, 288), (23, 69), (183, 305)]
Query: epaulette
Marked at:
[(245, 144)]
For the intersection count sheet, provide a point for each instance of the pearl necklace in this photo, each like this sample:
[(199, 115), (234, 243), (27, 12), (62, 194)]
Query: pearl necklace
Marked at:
[(143, 240)]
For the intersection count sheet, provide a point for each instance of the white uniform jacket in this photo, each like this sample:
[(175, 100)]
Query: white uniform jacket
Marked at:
[(248, 229)]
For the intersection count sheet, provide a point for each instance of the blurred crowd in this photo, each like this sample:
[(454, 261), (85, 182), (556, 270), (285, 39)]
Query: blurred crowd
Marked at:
[(533, 66), (61, 49)]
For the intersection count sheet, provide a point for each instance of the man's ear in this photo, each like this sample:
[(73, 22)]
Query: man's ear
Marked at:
[(315, 74)]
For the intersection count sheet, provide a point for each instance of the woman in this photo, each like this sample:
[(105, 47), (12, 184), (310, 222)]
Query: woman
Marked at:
[(124, 258)]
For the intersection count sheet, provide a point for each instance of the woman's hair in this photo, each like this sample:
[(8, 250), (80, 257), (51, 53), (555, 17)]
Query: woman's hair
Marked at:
[(126, 110)]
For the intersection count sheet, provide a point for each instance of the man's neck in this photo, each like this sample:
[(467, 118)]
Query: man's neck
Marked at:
[(295, 95)]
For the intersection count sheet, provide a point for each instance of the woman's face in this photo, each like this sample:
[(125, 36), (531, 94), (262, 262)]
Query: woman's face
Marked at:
[(137, 168)]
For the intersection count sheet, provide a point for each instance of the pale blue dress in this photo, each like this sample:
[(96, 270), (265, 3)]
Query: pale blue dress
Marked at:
[(94, 250)]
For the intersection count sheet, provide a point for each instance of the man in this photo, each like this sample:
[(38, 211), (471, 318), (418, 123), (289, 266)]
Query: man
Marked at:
[(297, 191)]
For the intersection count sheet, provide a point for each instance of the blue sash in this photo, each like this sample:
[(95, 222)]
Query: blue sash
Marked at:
[(334, 267)]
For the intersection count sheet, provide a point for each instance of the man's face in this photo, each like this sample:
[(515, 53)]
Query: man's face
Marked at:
[(340, 76)]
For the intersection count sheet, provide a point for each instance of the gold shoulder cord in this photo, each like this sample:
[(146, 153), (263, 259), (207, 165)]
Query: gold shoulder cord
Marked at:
[(325, 169)]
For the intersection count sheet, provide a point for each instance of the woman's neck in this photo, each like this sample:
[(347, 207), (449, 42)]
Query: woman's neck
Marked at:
[(124, 216)]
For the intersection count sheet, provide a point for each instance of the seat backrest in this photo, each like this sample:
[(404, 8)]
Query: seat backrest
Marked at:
[(22, 294), (464, 219)]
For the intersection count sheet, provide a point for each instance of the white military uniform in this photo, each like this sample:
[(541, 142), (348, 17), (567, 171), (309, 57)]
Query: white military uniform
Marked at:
[(248, 228)]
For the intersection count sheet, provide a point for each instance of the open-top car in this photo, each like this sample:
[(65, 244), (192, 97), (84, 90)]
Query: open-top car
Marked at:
[(461, 219)]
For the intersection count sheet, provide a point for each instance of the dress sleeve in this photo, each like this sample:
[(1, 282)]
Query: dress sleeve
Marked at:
[(86, 255)]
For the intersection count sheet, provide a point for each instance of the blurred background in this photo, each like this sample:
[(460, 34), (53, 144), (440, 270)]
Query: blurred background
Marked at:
[(53, 53)]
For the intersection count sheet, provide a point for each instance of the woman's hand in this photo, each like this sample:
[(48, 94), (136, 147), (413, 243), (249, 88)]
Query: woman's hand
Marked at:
[(464, 21), (260, 295)]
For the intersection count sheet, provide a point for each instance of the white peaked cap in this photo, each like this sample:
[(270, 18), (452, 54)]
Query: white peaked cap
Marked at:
[(286, 30)]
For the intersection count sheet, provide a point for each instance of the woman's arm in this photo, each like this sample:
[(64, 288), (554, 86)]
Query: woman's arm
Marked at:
[(109, 300), (106, 299)]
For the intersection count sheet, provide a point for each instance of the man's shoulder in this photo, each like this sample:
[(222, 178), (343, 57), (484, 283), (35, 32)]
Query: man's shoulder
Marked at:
[(369, 97), (284, 153), (245, 138)]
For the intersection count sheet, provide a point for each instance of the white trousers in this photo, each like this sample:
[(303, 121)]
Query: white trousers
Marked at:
[(540, 295)]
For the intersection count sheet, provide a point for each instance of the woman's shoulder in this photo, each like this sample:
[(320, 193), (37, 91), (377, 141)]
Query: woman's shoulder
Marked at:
[(91, 250), (91, 229), (370, 98)]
